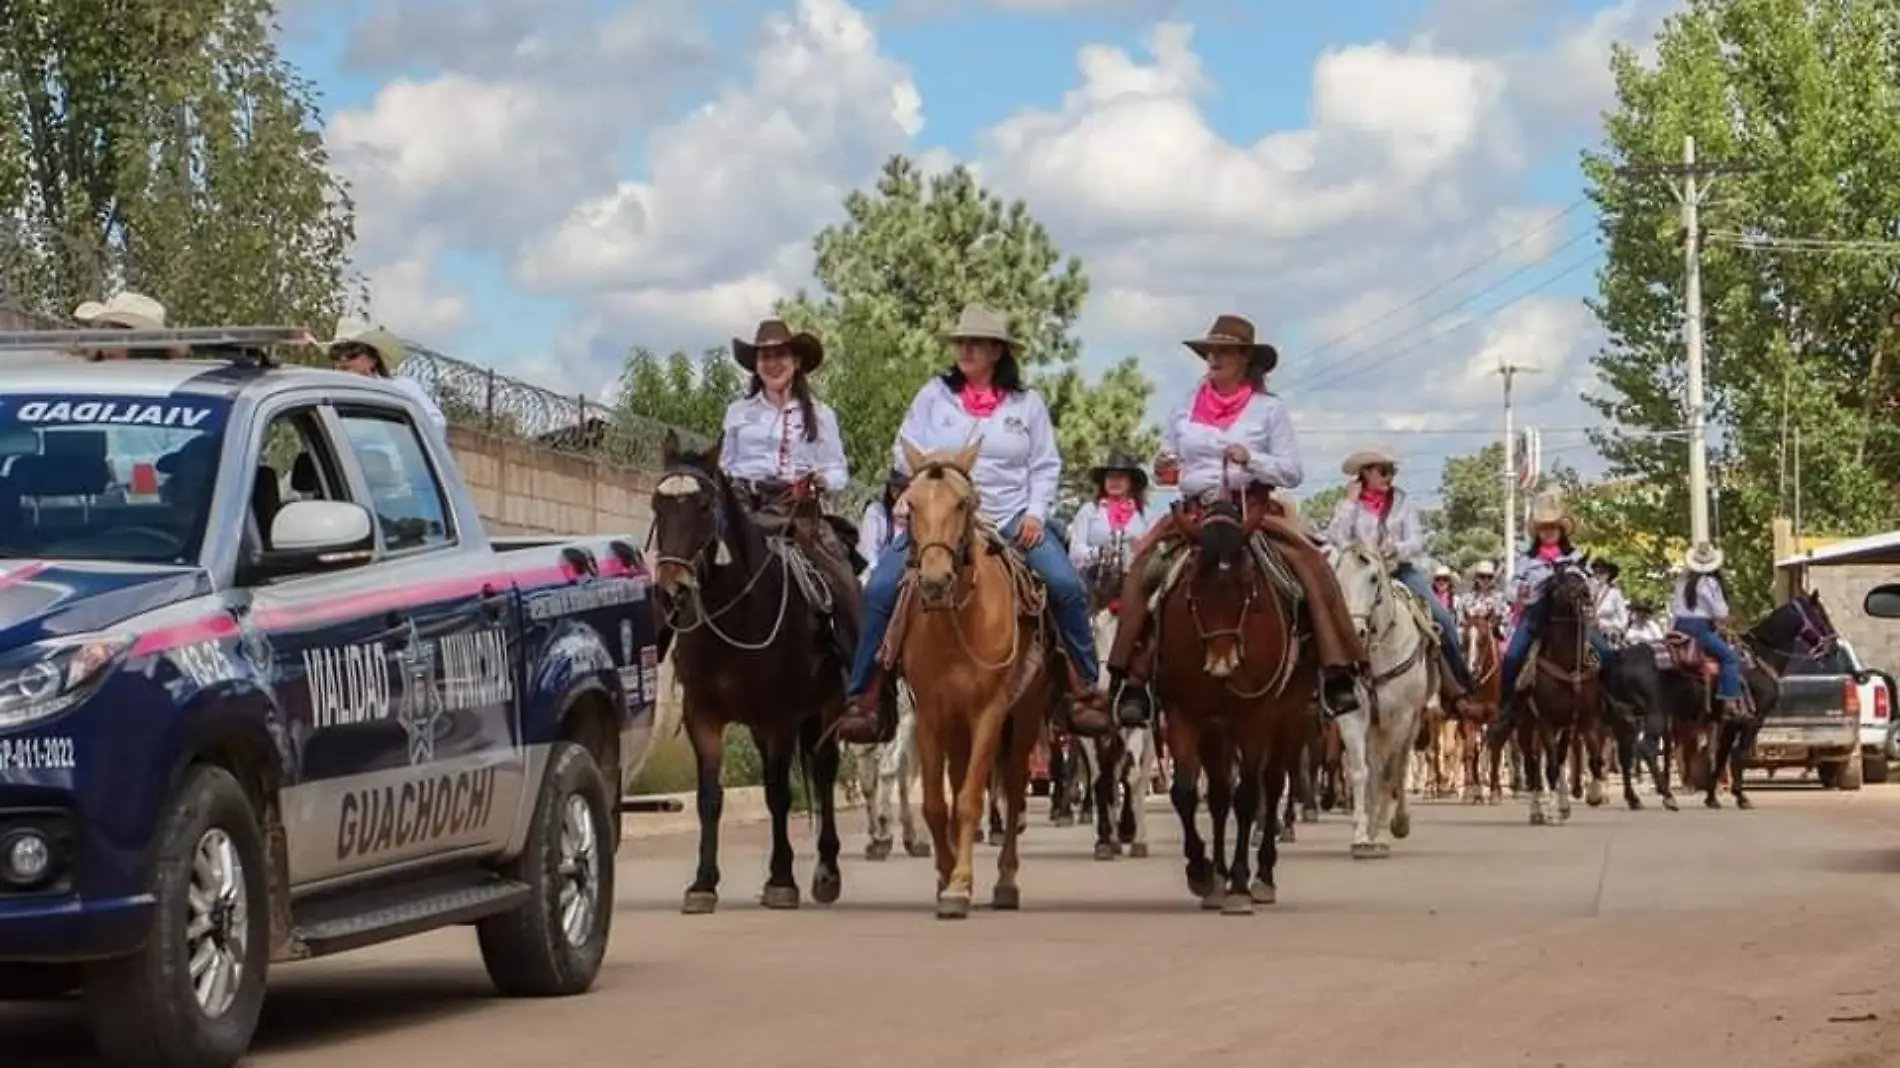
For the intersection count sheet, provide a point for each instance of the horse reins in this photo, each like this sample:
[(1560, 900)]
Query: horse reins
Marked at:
[(697, 559)]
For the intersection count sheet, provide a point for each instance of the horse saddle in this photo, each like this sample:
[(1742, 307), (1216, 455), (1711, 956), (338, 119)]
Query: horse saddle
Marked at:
[(776, 510), (1031, 596), (1681, 652), (1420, 612)]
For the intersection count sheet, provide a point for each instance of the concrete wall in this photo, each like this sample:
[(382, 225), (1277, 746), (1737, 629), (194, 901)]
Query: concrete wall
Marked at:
[(1842, 586)]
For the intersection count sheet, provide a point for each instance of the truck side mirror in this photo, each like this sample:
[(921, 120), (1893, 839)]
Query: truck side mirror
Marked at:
[(1883, 602), (314, 536)]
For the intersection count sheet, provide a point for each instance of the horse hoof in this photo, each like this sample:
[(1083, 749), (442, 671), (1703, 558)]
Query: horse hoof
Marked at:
[(1744, 803), (780, 897), (1595, 800), (1263, 893), (1710, 802), (1202, 886), (1288, 835), (917, 849), (1236, 905), (877, 850), (1007, 899), (1382, 850), (1214, 902), (1064, 820), (1635, 804), (700, 902), (1364, 851), (1402, 825), (1309, 815), (1670, 804), (1563, 815), (826, 886), (1538, 819), (1138, 850), (1105, 851), (953, 906)]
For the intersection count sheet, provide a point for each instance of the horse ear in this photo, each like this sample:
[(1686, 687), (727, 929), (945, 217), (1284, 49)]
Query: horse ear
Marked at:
[(914, 457), (965, 460)]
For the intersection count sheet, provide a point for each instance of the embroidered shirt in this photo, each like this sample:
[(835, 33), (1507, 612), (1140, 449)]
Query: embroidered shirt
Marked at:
[(767, 443)]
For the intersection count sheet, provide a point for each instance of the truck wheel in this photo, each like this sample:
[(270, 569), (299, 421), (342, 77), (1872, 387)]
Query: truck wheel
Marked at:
[(553, 945), (191, 997), (1873, 769), (1850, 773)]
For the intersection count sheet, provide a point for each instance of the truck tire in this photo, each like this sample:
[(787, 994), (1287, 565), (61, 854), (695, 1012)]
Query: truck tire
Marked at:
[(553, 945), (1873, 768), (147, 1009), (1850, 773)]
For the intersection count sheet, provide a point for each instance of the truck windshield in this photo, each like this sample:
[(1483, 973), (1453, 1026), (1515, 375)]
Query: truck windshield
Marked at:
[(107, 477)]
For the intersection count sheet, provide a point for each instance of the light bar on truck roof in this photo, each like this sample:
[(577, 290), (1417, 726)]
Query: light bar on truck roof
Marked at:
[(242, 344)]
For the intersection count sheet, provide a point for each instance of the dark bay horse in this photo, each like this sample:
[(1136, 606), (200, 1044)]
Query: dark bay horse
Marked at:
[(1671, 684), (1482, 708), (1561, 691), (1235, 683), (1120, 764), (749, 647)]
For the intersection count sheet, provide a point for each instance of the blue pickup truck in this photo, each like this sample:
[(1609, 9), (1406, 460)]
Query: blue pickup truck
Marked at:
[(268, 692)]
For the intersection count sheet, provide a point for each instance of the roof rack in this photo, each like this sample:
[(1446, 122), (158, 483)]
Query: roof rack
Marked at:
[(240, 344)]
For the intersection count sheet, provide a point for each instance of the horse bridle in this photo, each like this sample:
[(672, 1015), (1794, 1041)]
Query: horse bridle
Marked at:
[(963, 550), (697, 557)]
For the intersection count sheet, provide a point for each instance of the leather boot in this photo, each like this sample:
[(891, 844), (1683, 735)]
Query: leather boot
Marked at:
[(1134, 706), (1088, 713), (860, 723), (1337, 694)]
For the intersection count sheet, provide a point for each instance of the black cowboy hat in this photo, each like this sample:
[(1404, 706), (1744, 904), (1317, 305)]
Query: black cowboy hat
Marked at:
[(896, 480), (1231, 329), (773, 333), (1119, 462), (1601, 564)]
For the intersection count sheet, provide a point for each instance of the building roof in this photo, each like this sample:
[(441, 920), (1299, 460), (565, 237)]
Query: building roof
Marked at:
[(1872, 549)]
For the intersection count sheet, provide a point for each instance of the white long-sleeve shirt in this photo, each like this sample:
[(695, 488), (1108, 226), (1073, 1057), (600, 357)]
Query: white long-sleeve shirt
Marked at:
[(1090, 530), (875, 532), (1264, 429), (766, 443), (1613, 611), (420, 394), (1534, 574), (1711, 599), (1017, 465), (1399, 527)]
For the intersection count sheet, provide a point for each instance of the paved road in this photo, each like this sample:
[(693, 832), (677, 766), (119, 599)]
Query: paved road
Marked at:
[(1699, 938)]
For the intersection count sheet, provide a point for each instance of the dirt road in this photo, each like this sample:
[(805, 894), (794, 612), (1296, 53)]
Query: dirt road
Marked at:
[(1743, 939)]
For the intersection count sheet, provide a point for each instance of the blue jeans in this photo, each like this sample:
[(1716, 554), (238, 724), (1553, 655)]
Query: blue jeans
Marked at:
[(1728, 682), (1525, 633), (1416, 581), (1048, 560)]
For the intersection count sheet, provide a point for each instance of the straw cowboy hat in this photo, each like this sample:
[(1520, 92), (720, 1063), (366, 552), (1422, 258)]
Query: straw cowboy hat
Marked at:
[(1548, 510), (1444, 572), (978, 323), (387, 346), (133, 311), (1703, 559), (773, 333), (1231, 329), (1485, 569), (1121, 463), (1372, 456)]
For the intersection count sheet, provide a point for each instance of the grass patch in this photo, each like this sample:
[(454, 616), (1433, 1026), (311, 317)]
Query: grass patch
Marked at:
[(671, 769)]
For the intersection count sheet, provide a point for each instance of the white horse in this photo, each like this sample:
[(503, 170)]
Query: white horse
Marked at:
[(886, 775), (1132, 748), (1402, 646)]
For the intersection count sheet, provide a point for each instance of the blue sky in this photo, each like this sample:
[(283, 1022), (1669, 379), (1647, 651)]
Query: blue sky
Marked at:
[(542, 185)]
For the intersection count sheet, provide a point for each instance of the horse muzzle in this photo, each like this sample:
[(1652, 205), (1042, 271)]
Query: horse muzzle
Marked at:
[(937, 593)]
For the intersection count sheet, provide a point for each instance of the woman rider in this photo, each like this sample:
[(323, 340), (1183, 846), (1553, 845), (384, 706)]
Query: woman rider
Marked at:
[(1549, 551), (1613, 609), (1700, 607), (776, 435), (1378, 514), (883, 518), (1120, 508), (1235, 434), (1445, 588), (981, 398)]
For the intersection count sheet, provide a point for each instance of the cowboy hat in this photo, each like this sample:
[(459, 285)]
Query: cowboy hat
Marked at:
[(1485, 569), (978, 323), (1608, 567), (1230, 329), (1444, 573), (133, 311), (1119, 462), (1372, 456), (1547, 510), (773, 333), (1703, 559), (896, 480), (387, 346)]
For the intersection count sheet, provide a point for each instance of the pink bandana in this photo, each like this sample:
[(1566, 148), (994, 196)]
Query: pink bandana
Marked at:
[(1120, 512), (980, 402), (1215, 410), (1548, 551), (1378, 502)]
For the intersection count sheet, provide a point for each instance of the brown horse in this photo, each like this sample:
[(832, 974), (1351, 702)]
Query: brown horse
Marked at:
[(1561, 692), (1235, 683), (971, 640), (748, 647), (1482, 709)]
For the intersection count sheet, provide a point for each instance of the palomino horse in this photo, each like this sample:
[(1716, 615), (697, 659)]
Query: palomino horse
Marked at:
[(1120, 767), (1560, 691), (1380, 735), (886, 774), (1673, 680), (1482, 708), (1235, 686), (979, 660), (749, 648)]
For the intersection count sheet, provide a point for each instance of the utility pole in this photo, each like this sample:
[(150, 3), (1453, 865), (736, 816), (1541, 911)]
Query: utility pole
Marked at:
[(1510, 371)]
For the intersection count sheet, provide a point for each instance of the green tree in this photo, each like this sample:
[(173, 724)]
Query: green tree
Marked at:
[(164, 145), (1607, 514), (1468, 525), (1796, 341), (910, 254), (680, 391), (1317, 508), (1092, 421)]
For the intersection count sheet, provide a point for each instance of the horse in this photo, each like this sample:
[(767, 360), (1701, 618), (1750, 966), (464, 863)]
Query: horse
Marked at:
[(1403, 650), (886, 774), (971, 636), (1119, 767), (1559, 687), (748, 648), (1673, 682), (1235, 683), (1482, 708)]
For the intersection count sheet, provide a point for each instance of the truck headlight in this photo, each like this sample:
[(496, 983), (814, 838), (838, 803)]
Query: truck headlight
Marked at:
[(59, 675)]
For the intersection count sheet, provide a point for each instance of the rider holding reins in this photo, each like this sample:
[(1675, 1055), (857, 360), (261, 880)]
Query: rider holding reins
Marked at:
[(1235, 438), (1700, 607)]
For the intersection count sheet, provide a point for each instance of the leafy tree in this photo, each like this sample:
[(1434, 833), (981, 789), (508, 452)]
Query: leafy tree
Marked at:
[(1804, 92), (1607, 514), (1468, 525), (1317, 508), (680, 391), (910, 254), (1092, 421), (163, 145)]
